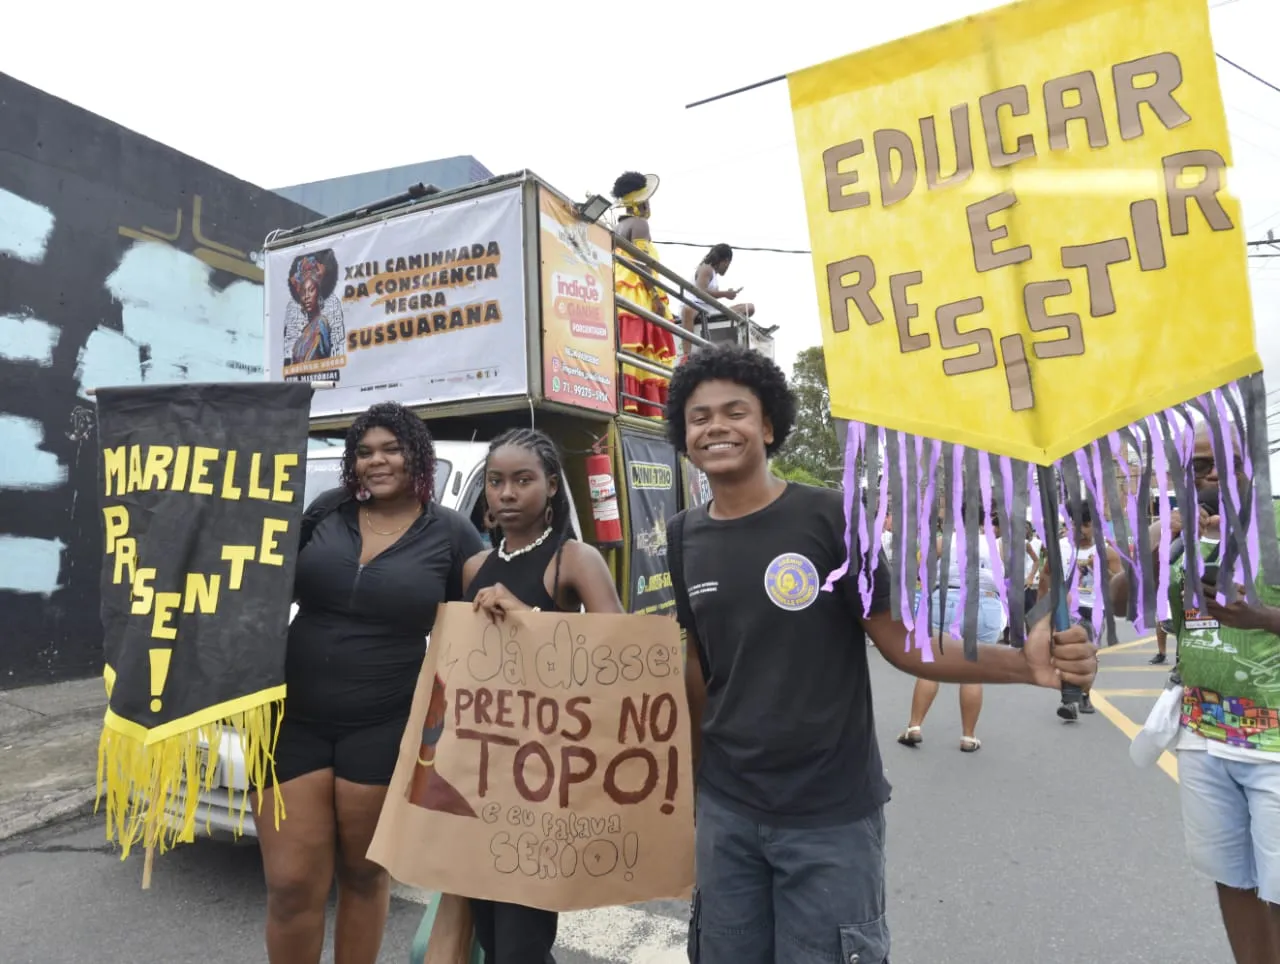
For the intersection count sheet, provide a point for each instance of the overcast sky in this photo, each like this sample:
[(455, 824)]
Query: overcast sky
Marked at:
[(279, 93)]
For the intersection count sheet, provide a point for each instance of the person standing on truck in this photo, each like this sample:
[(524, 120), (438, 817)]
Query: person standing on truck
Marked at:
[(790, 831), (709, 276), (636, 334), (538, 566), (376, 557)]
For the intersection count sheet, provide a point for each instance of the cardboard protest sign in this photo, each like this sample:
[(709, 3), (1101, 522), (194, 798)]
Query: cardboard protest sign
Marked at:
[(1027, 255), (546, 763), (201, 506)]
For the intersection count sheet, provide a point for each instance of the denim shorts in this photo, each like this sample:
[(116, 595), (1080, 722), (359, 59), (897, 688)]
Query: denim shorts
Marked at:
[(1231, 820), (991, 621), (800, 896)]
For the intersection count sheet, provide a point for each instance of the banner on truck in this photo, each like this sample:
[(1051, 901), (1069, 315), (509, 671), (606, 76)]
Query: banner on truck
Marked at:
[(546, 763), (420, 309), (653, 497), (202, 499), (579, 365)]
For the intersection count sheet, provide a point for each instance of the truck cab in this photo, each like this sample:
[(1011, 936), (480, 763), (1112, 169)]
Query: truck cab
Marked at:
[(482, 309)]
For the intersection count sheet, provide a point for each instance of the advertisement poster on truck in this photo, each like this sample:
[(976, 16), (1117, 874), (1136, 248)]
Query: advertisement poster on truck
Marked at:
[(652, 498), (579, 367), (424, 308)]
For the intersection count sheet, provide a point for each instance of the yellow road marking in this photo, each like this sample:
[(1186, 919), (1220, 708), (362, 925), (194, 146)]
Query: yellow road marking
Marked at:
[(1123, 647), (1167, 762), (1129, 692)]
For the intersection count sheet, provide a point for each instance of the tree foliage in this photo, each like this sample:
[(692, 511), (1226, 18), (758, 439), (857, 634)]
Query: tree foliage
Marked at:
[(796, 473), (812, 447)]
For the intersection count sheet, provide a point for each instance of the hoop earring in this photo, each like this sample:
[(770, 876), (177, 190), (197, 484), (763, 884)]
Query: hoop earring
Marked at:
[(550, 514)]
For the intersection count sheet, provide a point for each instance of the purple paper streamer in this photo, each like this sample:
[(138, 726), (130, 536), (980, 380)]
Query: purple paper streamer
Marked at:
[(1017, 527), (1037, 508), (851, 492), (867, 558), (1131, 516), (925, 517), (1073, 545), (997, 565), (958, 549), (882, 504), (1130, 509), (1161, 465), (1094, 482), (908, 487)]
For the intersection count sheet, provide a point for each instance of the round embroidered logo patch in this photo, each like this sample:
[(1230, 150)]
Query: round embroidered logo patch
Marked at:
[(791, 581)]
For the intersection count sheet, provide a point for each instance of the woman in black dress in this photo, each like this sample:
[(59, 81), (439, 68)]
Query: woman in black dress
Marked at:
[(537, 564), (378, 555)]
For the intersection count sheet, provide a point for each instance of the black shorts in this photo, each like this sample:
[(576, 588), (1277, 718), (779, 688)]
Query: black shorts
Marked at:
[(356, 754)]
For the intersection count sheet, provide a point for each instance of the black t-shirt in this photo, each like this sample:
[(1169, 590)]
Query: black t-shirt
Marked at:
[(788, 735), (357, 642)]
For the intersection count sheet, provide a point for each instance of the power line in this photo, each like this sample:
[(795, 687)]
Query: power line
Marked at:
[(1265, 83), (691, 244)]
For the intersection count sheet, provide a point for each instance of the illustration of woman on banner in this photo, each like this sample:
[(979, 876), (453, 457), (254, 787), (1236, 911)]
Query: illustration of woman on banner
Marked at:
[(635, 334), (378, 555), (537, 565), (313, 326)]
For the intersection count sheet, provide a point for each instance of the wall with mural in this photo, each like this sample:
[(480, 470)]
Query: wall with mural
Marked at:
[(121, 262)]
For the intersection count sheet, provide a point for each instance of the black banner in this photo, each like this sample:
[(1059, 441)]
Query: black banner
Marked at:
[(652, 498), (202, 502)]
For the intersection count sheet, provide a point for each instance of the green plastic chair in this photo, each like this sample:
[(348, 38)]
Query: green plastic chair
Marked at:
[(418, 950)]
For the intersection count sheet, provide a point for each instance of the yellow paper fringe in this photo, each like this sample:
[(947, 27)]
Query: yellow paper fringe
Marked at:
[(152, 792)]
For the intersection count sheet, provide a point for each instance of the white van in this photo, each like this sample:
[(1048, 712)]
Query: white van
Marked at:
[(459, 484)]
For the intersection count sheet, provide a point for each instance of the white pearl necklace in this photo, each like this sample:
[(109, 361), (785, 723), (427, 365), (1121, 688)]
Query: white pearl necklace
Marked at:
[(508, 556)]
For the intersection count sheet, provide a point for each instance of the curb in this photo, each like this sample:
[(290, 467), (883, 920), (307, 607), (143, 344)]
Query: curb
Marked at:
[(67, 807)]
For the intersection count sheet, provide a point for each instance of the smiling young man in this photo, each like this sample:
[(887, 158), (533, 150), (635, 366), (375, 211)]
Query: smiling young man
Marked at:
[(791, 791)]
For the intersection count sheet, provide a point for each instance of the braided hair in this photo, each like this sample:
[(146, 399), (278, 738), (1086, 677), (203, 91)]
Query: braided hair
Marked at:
[(411, 432), (540, 444)]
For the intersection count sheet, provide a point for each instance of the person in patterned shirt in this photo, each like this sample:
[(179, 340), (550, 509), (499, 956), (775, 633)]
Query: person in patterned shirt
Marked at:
[(1228, 657)]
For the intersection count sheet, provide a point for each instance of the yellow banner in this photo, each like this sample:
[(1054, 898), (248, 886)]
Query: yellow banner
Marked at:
[(1020, 222)]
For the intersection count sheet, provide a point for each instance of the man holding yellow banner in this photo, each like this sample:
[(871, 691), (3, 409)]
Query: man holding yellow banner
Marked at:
[(1028, 263)]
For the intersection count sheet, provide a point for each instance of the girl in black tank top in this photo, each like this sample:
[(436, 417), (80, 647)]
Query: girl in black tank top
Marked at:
[(536, 565), (523, 572)]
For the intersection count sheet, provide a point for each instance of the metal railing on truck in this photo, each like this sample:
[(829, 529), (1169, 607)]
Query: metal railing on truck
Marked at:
[(740, 328)]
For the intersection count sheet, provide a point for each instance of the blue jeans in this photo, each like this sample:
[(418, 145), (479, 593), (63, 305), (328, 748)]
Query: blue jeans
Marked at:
[(991, 619), (791, 896), (1231, 820)]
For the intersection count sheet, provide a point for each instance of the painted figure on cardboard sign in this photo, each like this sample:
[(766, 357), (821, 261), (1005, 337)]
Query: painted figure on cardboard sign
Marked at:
[(313, 324), (428, 788)]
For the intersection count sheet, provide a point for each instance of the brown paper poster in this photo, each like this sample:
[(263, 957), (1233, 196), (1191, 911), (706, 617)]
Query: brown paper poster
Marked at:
[(546, 763)]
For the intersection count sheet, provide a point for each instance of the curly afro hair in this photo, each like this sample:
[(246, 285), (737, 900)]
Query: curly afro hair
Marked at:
[(411, 431), (742, 366), (628, 182)]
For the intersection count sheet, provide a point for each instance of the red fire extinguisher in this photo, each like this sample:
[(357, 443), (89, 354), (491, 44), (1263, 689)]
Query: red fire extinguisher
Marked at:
[(604, 500)]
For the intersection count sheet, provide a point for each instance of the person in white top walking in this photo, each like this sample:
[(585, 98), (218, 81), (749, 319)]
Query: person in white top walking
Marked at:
[(991, 622), (1084, 556)]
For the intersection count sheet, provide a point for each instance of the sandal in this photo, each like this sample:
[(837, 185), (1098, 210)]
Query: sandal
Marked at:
[(970, 744), (911, 737)]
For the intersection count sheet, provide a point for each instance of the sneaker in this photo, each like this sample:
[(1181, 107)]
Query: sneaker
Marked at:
[(1069, 712), (1086, 705), (1158, 659)]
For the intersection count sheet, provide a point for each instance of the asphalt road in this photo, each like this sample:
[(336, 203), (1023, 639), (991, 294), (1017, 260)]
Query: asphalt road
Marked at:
[(1046, 846)]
